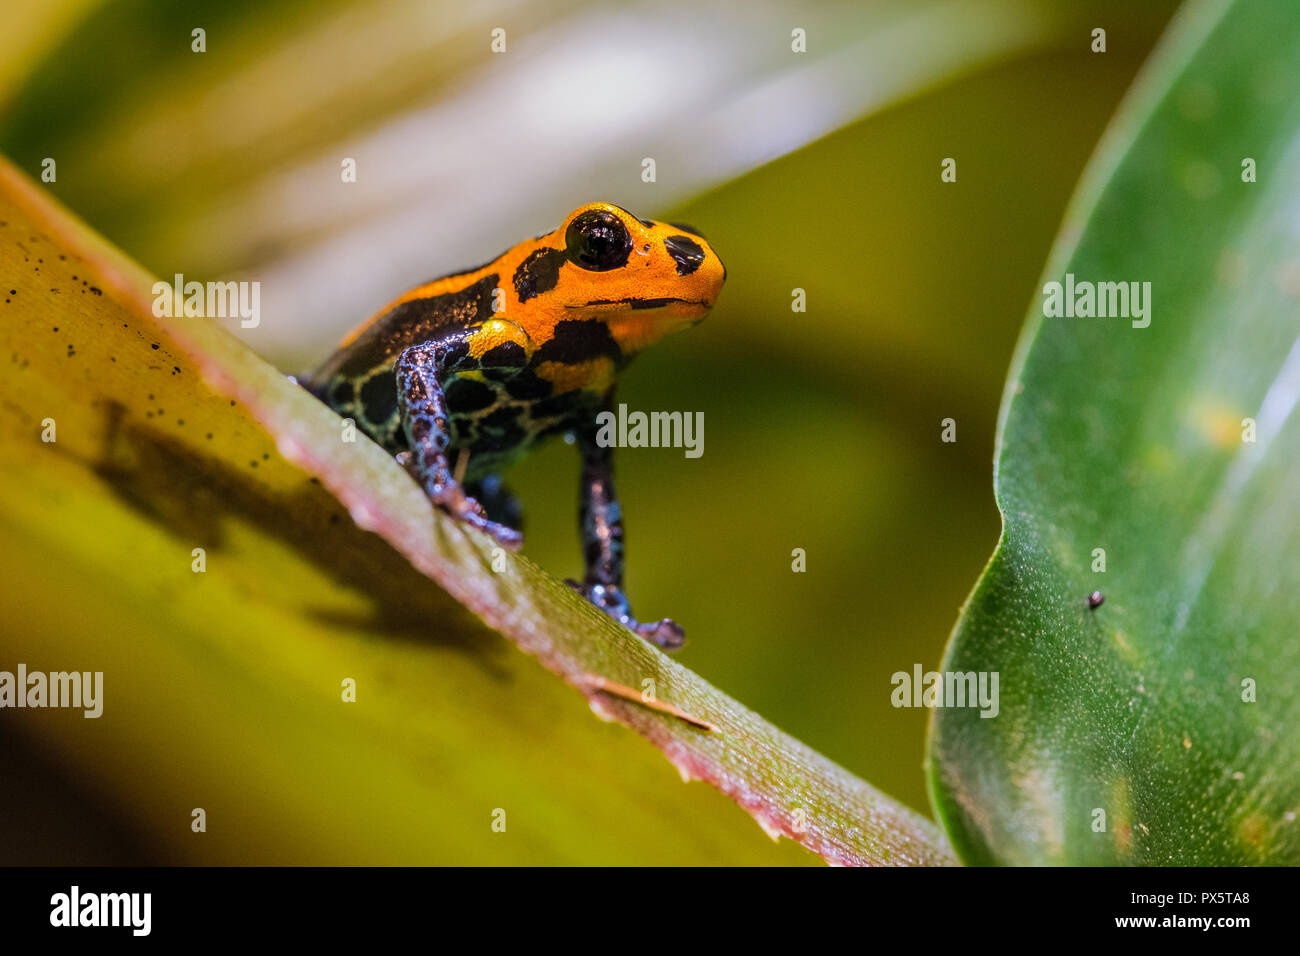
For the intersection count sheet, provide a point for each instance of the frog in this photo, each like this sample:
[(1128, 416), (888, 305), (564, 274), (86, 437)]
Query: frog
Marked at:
[(462, 376)]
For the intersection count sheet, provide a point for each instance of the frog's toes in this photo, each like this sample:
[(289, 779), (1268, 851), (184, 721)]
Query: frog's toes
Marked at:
[(504, 535), (468, 511), (665, 633), (452, 499)]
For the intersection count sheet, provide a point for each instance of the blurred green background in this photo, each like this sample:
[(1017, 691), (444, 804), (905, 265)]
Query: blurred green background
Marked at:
[(818, 171)]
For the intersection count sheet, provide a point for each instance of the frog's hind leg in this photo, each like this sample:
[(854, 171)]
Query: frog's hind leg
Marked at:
[(601, 521)]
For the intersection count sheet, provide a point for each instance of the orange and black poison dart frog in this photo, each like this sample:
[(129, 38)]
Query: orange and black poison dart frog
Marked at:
[(489, 362)]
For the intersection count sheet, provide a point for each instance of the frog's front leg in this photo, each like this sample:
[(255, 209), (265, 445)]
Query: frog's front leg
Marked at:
[(601, 520), (426, 423)]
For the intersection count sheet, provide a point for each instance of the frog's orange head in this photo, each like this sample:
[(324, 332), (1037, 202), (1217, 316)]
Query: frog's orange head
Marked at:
[(643, 279)]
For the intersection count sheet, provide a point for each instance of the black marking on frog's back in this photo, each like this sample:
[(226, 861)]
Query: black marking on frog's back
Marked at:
[(342, 391), (538, 273), (500, 431), (579, 340), (507, 355), (562, 406), (468, 395), (377, 398), (413, 322), (526, 386)]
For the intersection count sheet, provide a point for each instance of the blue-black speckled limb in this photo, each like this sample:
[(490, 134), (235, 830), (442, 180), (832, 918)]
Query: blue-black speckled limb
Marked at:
[(601, 523), (425, 421)]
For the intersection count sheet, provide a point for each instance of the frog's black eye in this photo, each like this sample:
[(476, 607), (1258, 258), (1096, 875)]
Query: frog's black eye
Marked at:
[(597, 241)]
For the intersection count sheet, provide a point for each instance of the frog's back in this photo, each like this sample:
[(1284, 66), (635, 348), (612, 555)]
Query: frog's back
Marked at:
[(358, 380)]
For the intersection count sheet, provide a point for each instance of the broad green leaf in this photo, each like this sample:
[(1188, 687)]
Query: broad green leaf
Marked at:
[(1171, 708), (134, 447)]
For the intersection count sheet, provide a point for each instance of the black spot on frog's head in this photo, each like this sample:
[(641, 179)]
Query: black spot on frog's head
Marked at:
[(538, 273), (687, 253)]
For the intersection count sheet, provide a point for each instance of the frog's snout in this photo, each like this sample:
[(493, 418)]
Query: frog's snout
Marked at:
[(692, 256)]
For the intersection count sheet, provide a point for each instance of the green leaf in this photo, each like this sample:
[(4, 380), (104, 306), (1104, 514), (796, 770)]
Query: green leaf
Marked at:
[(175, 444), (1133, 440)]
